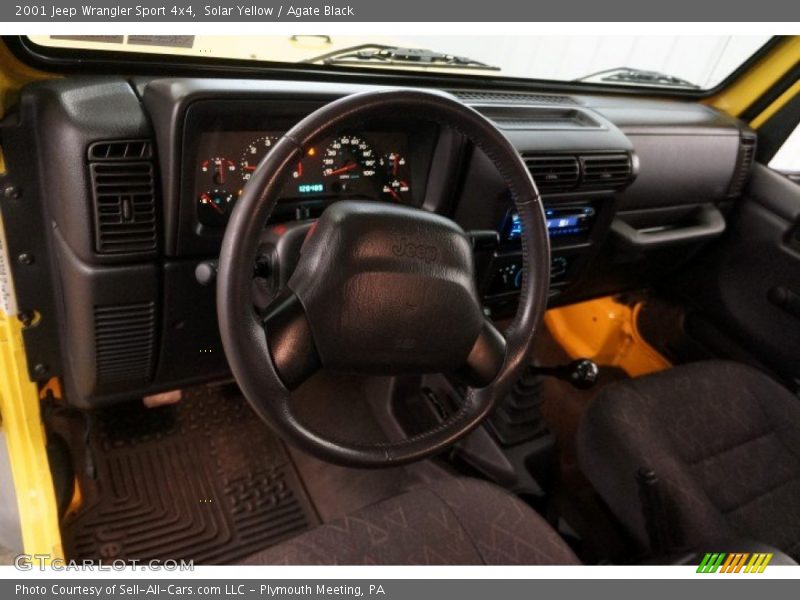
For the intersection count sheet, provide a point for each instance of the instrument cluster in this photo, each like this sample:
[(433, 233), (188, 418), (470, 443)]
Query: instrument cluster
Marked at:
[(365, 165)]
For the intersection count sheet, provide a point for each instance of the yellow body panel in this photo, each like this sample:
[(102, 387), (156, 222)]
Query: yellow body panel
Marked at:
[(19, 408), (13, 76), (776, 105), (753, 84), (604, 330), (19, 397)]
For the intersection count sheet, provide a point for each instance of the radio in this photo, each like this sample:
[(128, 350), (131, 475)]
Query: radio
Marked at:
[(572, 222)]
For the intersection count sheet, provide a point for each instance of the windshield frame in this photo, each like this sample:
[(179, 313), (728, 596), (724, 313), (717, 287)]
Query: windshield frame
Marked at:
[(69, 61)]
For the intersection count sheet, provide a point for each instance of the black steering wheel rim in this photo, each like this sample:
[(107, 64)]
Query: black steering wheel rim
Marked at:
[(243, 336)]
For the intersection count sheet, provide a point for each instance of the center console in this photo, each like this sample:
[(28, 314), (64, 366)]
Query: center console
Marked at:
[(579, 166), (574, 227)]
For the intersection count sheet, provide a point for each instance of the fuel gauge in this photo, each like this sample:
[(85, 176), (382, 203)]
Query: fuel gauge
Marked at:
[(214, 206)]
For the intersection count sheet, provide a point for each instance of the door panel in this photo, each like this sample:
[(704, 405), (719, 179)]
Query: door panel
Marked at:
[(748, 285)]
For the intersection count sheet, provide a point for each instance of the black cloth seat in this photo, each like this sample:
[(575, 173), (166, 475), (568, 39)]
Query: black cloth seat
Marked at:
[(455, 522), (724, 441)]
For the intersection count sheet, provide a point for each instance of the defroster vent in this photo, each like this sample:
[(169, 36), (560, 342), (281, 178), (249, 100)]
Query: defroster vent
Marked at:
[(124, 341), (513, 98), (123, 184)]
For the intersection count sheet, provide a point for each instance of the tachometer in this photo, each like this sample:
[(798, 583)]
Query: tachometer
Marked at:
[(349, 157), (253, 154)]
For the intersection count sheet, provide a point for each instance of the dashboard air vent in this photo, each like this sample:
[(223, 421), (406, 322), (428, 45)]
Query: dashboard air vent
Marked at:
[(744, 164), (124, 198), (512, 98), (606, 171), (122, 150), (553, 173), (124, 342)]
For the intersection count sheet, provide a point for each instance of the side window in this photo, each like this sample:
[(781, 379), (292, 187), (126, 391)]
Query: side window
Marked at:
[(787, 159)]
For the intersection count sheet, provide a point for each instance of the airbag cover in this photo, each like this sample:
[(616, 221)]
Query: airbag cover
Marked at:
[(388, 289)]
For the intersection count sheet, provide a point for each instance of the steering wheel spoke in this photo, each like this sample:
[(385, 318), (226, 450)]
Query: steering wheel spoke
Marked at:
[(485, 359), (289, 339)]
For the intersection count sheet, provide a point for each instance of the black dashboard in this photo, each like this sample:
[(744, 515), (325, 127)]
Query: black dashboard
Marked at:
[(142, 175)]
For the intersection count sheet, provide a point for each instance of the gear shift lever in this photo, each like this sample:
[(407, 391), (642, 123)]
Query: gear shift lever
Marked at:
[(518, 416), (582, 373)]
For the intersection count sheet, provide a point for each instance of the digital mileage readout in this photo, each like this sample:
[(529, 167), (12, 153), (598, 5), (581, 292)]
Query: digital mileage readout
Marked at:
[(311, 188)]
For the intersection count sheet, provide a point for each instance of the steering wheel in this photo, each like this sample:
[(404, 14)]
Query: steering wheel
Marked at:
[(379, 288)]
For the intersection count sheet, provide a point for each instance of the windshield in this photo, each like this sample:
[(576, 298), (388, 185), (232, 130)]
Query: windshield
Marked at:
[(688, 62)]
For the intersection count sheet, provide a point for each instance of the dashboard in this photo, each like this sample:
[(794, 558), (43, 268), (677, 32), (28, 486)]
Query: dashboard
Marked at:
[(143, 175)]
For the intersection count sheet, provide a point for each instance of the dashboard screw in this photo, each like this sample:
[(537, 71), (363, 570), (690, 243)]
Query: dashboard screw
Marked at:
[(26, 258), (26, 318), (12, 192)]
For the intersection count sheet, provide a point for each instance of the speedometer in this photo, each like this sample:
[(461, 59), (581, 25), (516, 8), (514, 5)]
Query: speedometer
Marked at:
[(349, 157)]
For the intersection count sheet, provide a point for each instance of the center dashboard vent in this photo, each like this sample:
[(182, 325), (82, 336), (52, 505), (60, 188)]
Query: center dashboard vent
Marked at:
[(560, 173), (605, 171), (553, 173), (123, 187)]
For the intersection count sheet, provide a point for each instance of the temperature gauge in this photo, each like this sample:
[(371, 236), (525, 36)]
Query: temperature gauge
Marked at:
[(214, 206), (219, 168)]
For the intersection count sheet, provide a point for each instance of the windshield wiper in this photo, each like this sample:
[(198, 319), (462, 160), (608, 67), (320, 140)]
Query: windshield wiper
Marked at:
[(397, 56), (639, 77)]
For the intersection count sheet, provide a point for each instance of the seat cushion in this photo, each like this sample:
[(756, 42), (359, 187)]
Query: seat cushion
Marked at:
[(456, 522), (723, 439)]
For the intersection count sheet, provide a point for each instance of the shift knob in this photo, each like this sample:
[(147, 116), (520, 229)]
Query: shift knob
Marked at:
[(583, 373)]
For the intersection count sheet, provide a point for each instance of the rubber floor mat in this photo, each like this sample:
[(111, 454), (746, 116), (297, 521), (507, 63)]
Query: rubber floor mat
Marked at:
[(203, 480)]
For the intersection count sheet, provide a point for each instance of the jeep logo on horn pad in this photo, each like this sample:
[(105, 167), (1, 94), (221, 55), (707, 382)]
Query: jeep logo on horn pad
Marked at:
[(405, 248)]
